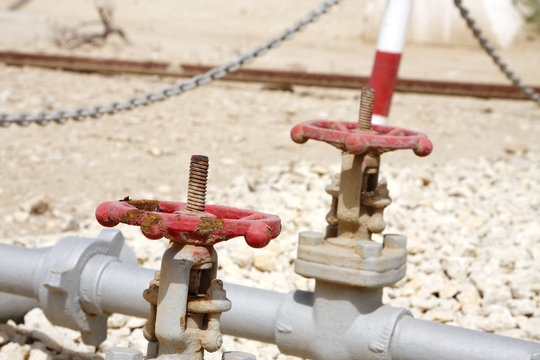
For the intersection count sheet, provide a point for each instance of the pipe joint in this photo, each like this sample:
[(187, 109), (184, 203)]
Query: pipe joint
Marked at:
[(336, 322)]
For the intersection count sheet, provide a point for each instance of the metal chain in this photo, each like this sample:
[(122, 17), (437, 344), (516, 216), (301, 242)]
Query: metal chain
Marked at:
[(533, 95), (79, 114)]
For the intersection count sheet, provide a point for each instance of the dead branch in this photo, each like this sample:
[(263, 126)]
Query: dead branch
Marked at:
[(73, 37)]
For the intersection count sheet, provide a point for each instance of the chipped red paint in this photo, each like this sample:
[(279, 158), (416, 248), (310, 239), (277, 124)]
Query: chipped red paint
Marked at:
[(171, 220), (347, 137)]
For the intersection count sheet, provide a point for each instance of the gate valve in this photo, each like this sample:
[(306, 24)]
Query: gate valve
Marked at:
[(192, 222), (352, 257)]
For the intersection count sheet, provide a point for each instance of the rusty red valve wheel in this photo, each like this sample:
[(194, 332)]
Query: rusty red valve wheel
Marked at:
[(169, 219), (346, 136)]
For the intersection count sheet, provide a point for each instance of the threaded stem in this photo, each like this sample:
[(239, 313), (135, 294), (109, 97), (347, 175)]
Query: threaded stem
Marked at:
[(198, 172), (366, 108)]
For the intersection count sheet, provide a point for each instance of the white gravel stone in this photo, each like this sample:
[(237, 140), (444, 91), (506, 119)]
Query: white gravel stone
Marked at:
[(264, 262), (38, 354), (14, 351)]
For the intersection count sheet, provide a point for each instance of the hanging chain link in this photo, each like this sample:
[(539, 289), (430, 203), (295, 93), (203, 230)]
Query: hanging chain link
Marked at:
[(80, 114), (533, 95)]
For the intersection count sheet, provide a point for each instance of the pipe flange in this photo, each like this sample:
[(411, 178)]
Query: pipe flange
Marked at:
[(59, 283), (368, 264)]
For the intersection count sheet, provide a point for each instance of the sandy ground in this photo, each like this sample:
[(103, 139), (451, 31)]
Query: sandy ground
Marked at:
[(243, 128)]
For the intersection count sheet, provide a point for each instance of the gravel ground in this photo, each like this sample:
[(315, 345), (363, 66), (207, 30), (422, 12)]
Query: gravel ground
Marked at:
[(470, 210)]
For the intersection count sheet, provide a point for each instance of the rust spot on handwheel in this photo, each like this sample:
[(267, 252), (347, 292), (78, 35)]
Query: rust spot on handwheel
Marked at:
[(146, 205), (209, 225), (132, 216), (151, 223)]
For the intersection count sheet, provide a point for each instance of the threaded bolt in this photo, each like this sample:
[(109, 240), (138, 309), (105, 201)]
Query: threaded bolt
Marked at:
[(198, 173), (366, 108)]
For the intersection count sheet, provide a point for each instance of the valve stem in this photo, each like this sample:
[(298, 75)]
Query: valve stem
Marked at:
[(366, 108), (198, 173)]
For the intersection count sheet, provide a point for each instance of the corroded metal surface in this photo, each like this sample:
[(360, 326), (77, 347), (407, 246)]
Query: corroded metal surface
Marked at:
[(366, 109), (185, 311), (198, 173), (173, 221), (194, 222), (87, 64), (345, 136)]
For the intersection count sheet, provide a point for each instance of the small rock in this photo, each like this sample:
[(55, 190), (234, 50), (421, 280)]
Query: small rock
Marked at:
[(469, 299), (21, 217), (454, 268), (39, 207), (525, 307), (12, 351), (243, 257), (499, 319), (531, 327), (135, 322), (155, 152), (71, 225), (116, 321), (52, 226), (275, 248), (423, 303), (496, 295), (137, 340), (4, 338), (264, 262), (448, 292), (439, 315), (37, 354)]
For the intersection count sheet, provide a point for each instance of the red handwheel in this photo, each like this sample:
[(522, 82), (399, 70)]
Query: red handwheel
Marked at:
[(171, 220), (346, 136)]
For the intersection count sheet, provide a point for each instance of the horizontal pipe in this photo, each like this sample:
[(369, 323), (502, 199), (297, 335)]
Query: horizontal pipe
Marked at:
[(18, 266), (416, 339), (105, 65), (15, 306), (302, 323), (121, 289), (254, 313)]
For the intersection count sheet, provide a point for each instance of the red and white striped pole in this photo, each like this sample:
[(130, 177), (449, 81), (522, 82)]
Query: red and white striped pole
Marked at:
[(392, 36)]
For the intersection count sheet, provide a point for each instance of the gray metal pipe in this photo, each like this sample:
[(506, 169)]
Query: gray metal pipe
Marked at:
[(15, 306), (18, 267), (333, 322), (416, 339), (254, 313), (121, 287)]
